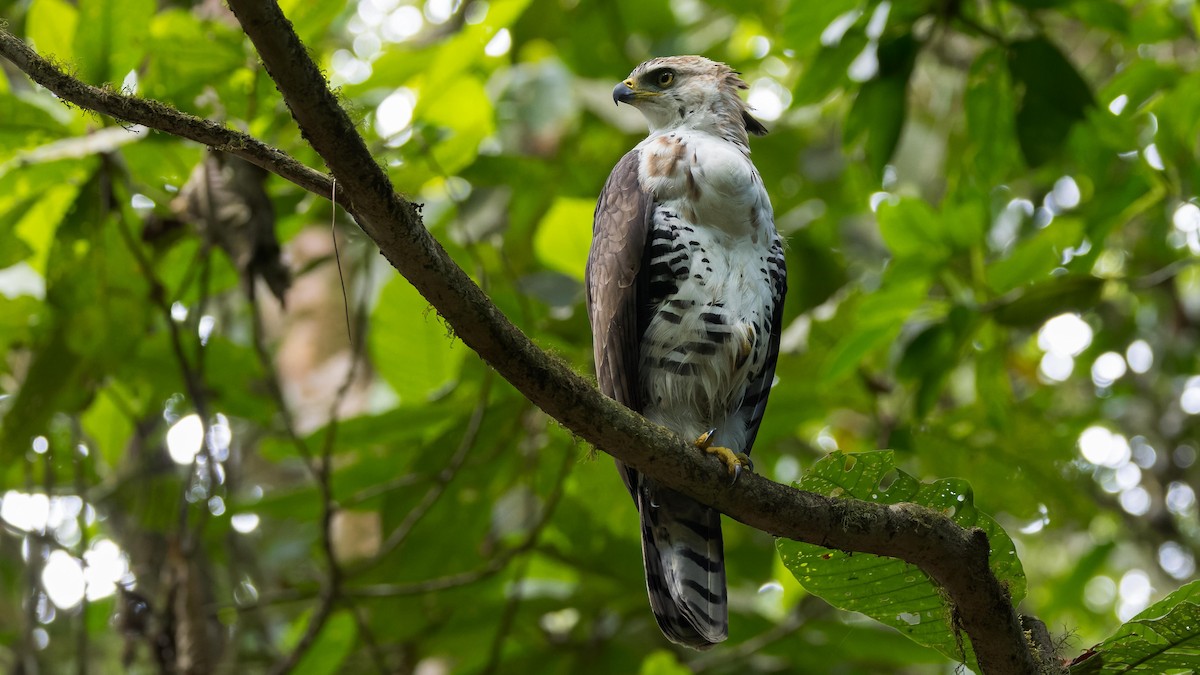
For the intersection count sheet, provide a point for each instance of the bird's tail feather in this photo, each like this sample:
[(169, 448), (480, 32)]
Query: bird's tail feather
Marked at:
[(685, 568)]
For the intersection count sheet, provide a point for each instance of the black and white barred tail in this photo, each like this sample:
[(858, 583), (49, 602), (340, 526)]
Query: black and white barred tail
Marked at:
[(685, 567)]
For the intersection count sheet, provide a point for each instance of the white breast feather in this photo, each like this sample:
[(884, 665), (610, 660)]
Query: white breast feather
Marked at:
[(724, 201)]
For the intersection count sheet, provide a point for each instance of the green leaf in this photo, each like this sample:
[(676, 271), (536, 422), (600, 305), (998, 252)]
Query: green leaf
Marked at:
[(333, 644), (1107, 14), (1037, 256), (804, 24), (114, 38), (410, 347), (1049, 298), (50, 26), (930, 356), (459, 116), (311, 20), (911, 229), (1055, 97), (827, 70), (890, 591), (1163, 638), (53, 383), (991, 127), (97, 315), (563, 237), (25, 126), (1140, 81), (814, 273), (881, 107), (877, 320), (188, 55), (663, 662)]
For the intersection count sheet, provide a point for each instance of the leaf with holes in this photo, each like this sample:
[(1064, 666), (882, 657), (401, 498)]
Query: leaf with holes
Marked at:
[(1163, 638), (890, 591)]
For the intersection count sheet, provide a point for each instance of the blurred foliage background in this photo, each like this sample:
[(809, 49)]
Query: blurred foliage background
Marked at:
[(992, 220)]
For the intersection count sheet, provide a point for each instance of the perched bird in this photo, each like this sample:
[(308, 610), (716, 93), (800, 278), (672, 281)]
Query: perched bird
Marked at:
[(685, 283)]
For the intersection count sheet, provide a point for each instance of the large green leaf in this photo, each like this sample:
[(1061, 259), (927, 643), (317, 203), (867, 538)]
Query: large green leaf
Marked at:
[(50, 26), (98, 311), (113, 40), (827, 70), (25, 125), (1033, 259), (410, 346), (188, 55), (911, 229), (1055, 97), (804, 24), (333, 644), (988, 104), (563, 236), (890, 591), (1045, 299), (1163, 638), (881, 106)]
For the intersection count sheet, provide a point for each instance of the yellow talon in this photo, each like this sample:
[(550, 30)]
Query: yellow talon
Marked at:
[(734, 461)]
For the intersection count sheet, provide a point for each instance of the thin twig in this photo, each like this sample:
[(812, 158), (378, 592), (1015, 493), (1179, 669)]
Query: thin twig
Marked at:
[(159, 116), (331, 592), (337, 257)]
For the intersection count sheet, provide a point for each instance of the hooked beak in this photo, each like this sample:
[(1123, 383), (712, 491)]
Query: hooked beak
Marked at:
[(623, 93)]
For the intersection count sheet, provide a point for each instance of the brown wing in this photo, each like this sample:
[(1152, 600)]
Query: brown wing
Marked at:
[(614, 293)]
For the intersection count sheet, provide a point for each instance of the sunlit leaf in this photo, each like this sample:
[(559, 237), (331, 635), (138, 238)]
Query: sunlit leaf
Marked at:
[(410, 346), (25, 125), (50, 26), (114, 38), (564, 235), (187, 55), (460, 116), (663, 663)]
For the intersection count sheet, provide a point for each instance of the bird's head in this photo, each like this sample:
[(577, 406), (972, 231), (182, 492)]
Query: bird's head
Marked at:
[(692, 91)]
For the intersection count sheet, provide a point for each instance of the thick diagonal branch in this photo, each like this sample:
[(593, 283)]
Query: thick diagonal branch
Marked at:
[(954, 557)]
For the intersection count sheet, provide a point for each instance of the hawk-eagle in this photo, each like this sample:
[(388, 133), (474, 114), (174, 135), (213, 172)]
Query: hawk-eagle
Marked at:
[(685, 284)]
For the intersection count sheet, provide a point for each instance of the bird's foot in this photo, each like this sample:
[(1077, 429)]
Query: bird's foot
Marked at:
[(734, 461)]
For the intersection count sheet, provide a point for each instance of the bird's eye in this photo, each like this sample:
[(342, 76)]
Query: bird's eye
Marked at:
[(665, 78)]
